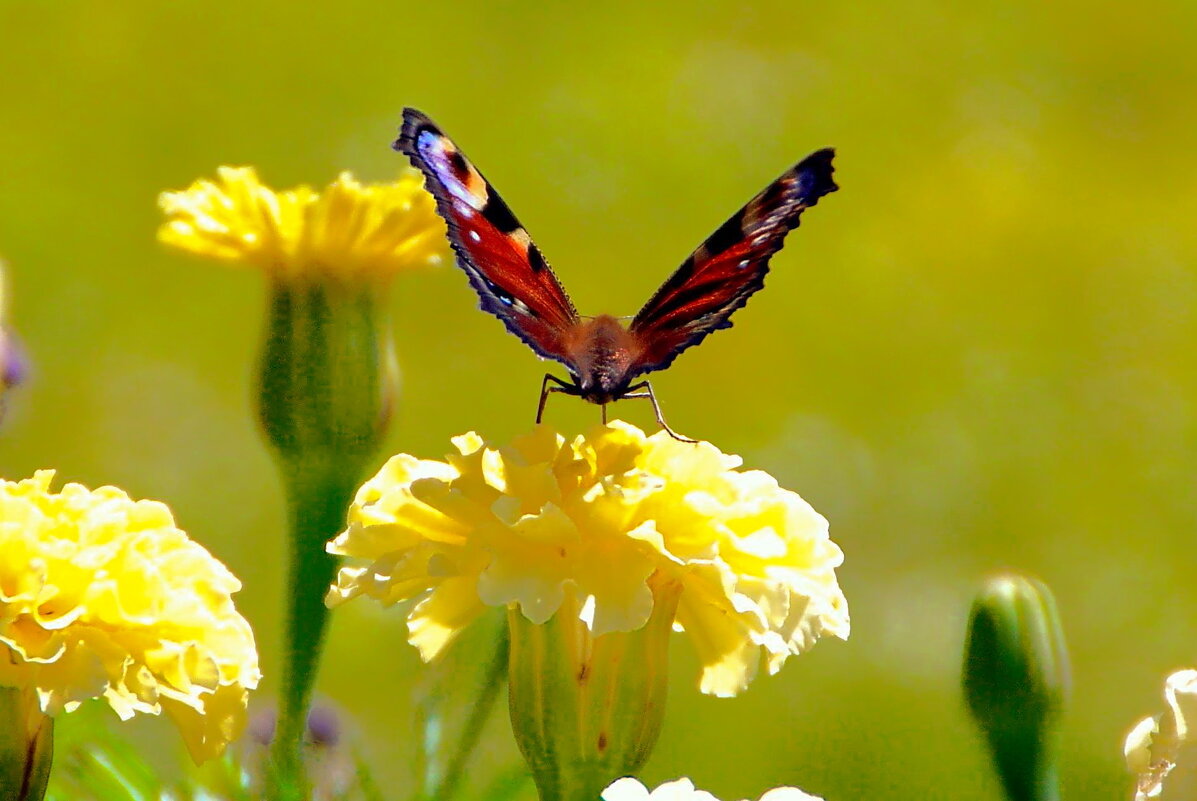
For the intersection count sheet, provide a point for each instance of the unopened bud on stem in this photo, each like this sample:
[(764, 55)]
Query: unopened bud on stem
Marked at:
[(1016, 682)]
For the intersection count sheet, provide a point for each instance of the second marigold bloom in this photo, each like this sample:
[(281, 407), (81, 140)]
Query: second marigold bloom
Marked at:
[(540, 521), (102, 595), (349, 230)]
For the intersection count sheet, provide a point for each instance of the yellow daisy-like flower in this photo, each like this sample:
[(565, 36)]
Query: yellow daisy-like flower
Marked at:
[(102, 596), (526, 524), (629, 789), (1155, 745), (350, 230)]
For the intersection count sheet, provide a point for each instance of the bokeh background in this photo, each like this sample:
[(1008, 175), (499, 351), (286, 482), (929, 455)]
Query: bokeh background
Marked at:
[(978, 355)]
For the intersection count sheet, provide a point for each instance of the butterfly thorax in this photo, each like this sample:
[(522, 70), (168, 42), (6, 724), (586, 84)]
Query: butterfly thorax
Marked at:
[(602, 351)]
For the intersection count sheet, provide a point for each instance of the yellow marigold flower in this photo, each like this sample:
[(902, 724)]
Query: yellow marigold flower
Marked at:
[(629, 789), (101, 595), (350, 229), (1153, 748), (542, 520)]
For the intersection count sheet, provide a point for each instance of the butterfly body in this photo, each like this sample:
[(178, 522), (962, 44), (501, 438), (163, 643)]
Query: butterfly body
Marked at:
[(604, 358), (602, 352)]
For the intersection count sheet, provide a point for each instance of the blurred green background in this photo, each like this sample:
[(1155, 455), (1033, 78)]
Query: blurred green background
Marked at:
[(978, 355)]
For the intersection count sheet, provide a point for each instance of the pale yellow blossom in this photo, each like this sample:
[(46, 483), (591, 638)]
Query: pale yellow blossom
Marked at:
[(103, 596), (594, 518)]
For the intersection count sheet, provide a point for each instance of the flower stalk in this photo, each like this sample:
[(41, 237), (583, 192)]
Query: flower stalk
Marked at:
[(586, 710), (327, 383)]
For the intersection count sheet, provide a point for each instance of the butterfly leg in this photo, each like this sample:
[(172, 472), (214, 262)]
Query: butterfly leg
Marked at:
[(545, 389), (648, 393), (604, 414)]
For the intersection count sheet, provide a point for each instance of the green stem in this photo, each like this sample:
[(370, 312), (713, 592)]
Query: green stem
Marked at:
[(317, 498), (496, 672), (1026, 764)]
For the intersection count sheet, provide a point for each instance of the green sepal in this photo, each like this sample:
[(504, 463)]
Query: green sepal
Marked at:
[(587, 710)]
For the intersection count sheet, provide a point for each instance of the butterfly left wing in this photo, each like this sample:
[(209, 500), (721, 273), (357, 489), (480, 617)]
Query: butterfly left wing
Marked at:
[(728, 268), (512, 278)]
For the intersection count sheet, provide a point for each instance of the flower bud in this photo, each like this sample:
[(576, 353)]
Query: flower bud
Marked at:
[(1016, 682)]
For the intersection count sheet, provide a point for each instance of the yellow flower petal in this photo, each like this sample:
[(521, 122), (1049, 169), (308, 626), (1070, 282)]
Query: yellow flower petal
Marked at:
[(102, 596), (438, 618), (598, 516), (350, 230)]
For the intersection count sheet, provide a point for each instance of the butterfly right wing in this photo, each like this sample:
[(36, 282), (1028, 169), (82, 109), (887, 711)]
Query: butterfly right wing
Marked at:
[(728, 268), (512, 278)]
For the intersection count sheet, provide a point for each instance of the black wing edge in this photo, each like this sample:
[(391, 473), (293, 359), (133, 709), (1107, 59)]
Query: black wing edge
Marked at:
[(819, 165)]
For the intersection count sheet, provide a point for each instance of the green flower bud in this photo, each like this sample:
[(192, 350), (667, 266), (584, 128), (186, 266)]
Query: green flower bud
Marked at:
[(1016, 682)]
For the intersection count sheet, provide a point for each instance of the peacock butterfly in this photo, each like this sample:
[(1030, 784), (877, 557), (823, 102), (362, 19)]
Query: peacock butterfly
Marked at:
[(604, 359)]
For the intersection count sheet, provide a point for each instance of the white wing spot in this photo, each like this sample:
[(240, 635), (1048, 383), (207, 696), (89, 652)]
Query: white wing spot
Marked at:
[(474, 235)]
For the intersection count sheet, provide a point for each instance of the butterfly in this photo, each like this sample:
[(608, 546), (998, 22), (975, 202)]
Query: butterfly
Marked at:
[(605, 359)]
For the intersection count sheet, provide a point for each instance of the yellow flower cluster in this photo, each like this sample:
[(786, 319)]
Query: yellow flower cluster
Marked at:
[(350, 230), (101, 595), (1154, 747), (525, 524), (629, 789)]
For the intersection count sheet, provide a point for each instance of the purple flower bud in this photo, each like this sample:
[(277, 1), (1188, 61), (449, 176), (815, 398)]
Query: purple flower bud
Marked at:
[(324, 726), (14, 365), (261, 726)]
